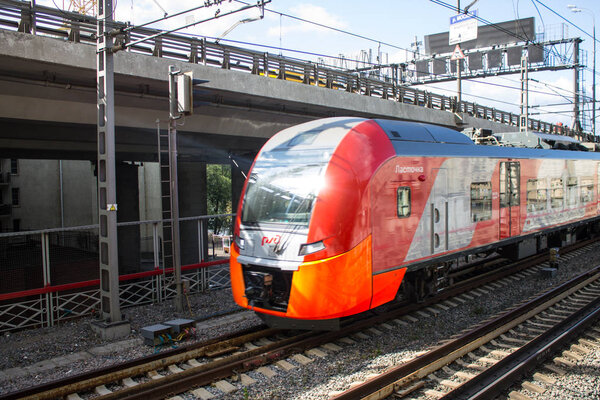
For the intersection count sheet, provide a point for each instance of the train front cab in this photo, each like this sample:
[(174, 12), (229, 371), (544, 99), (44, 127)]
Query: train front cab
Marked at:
[(334, 278)]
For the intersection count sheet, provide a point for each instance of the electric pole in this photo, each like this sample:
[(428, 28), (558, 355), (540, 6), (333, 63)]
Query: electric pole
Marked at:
[(112, 325), (576, 126), (174, 185), (524, 117), (458, 82)]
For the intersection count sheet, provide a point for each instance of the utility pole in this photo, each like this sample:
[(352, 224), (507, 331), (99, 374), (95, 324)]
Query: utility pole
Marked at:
[(576, 9), (458, 82), (594, 85), (181, 102), (112, 325), (416, 45), (174, 185), (576, 126), (524, 117)]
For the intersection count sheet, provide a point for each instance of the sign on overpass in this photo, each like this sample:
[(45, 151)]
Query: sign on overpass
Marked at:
[(500, 33), (463, 27)]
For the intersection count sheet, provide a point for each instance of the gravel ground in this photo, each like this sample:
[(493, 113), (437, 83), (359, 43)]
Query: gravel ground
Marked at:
[(318, 379), (368, 356), (580, 382), (28, 347)]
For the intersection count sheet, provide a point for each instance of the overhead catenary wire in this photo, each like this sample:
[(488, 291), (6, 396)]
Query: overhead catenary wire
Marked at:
[(575, 25), (549, 85), (492, 99), (511, 104), (440, 2), (165, 32), (513, 87), (567, 20), (346, 32), (280, 48), (494, 25), (324, 55), (353, 60), (373, 64), (165, 17)]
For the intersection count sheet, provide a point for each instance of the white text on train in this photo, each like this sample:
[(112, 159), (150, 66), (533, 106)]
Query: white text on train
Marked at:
[(408, 170)]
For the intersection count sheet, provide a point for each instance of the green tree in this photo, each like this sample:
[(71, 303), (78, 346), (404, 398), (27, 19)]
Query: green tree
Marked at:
[(219, 195)]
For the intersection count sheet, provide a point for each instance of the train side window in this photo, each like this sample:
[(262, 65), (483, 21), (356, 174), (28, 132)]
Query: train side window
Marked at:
[(571, 191), (556, 193), (536, 195), (587, 189), (403, 196), (481, 201)]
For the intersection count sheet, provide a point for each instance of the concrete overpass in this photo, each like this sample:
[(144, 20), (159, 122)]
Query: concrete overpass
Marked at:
[(48, 96), (48, 103)]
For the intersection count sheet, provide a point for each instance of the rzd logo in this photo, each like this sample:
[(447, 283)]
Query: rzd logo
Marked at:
[(270, 240)]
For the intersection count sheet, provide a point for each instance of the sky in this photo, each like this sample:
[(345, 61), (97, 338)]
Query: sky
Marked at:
[(392, 25)]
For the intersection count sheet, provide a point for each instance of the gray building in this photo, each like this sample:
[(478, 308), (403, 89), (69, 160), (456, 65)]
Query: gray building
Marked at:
[(41, 194)]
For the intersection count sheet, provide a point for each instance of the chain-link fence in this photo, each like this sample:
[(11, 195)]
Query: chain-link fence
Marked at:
[(53, 275)]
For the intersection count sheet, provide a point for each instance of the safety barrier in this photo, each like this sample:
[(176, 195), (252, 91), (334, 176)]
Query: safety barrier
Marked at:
[(51, 22), (50, 276)]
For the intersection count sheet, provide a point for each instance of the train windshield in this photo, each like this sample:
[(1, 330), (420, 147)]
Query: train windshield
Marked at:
[(282, 193)]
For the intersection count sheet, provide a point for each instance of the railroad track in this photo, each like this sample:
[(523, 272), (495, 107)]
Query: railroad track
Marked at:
[(178, 371), (487, 360)]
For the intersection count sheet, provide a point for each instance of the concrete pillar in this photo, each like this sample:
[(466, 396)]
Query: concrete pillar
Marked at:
[(239, 164), (129, 210), (150, 204), (192, 202)]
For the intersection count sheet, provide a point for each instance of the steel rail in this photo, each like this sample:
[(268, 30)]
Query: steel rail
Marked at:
[(207, 373), (386, 384), (507, 371), (101, 376), (181, 382)]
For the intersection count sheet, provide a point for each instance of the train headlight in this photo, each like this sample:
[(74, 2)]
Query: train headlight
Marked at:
[(239, 242), (309, 248)]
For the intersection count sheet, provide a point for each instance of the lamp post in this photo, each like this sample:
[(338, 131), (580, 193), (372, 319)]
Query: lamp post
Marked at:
[(576, 9)]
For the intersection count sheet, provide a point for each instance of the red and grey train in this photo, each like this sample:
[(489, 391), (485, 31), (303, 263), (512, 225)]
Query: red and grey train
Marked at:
[(342, 215)]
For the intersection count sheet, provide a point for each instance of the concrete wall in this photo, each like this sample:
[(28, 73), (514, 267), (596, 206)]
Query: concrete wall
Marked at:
[(40, 189), (79, 193), (192, 202), (5, 220), (128, 211), (150, 204)]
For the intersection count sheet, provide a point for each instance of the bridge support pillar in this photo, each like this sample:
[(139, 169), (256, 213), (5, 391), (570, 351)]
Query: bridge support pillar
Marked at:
[(128, 238), (192, 202)]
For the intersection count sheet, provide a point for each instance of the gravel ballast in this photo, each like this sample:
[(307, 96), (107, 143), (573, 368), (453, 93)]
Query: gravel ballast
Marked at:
[(381, 349)]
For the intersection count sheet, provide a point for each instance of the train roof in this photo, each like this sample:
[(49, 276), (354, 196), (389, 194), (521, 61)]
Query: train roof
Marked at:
[(419, 139), (408, 139)]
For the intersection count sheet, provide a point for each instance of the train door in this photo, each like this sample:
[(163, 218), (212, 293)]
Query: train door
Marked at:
[(510, 205), (438, 211)]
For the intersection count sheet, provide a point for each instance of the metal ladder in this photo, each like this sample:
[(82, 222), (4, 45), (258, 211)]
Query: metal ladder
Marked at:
[(165, 194)]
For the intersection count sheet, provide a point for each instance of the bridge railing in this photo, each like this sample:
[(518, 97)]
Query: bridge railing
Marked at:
[(47, 21), (52, 275)]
